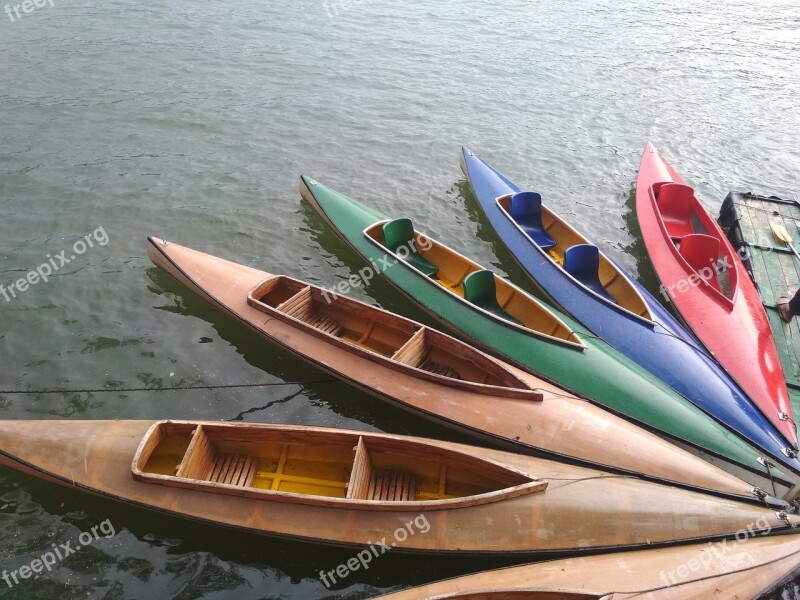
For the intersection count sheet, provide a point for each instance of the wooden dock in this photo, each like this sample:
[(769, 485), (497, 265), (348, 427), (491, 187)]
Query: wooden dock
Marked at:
[(773, 267)]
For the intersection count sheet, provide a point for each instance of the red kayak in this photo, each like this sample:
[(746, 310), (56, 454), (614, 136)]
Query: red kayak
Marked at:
[(707, 283)]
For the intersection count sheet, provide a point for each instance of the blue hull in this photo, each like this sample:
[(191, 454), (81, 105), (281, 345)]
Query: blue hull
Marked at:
[(663, 346)]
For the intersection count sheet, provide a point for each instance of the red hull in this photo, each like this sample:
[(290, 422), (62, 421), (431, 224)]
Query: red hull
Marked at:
[(714, 296)]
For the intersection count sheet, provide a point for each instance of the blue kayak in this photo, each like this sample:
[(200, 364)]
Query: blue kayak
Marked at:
[(577, 276)]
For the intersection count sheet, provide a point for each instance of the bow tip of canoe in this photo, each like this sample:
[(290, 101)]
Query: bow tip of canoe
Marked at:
[(305, 188)]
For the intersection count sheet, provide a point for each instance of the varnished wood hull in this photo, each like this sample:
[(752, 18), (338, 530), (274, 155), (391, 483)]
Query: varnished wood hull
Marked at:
[(724, 571), (560, 424), (581, 510)]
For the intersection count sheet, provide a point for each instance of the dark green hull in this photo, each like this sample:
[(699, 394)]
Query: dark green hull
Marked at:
[(595, 371)]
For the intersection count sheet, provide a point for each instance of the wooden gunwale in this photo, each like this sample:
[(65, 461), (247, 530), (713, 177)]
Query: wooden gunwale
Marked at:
[(198, 461), (515, 387)]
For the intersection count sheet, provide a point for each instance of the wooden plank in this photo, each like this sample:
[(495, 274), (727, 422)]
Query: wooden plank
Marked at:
[(787, 336), (359, 485), (276, 482), (788, 260), (411, 352), (753, 246), (777, 273), (199, 458), (771, 286)]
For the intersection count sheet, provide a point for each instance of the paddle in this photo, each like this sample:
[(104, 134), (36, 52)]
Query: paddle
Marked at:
[(780, 233)]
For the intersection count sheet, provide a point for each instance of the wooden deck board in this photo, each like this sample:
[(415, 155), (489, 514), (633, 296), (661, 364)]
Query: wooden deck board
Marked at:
[(777, 273)]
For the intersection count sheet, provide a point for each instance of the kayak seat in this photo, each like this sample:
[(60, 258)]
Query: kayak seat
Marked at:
[(400, 232), (383, 485), (481, 290), (526, 210), (675, 204), (202, 462), (702, 252), (390, 485), (583, 263), (439, 369), (302, 307), (234, 469), (416, 353)]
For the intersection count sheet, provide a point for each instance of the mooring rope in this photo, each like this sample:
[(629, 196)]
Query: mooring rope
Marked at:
[(168, 389)]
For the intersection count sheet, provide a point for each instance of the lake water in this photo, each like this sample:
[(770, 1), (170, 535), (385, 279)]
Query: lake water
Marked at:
[(193, 121)]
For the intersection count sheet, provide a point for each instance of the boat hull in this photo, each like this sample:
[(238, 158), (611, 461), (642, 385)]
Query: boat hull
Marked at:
[(559, 424), (689, 370), (739, 569), (736, 331), (594, 371), (572, 514)]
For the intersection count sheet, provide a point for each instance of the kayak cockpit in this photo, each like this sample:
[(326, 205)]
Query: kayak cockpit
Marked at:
[(571, 251), (309, 465), (398, 343), (452, 269), (707, 260)]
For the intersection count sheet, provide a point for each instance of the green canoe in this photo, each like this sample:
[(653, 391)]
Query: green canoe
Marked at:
[(513, 325)]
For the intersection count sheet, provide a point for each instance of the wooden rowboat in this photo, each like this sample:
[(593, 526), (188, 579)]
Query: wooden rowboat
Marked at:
[(513, 325), (733, 570), (388, 339), (710, 288), (352, 488), (599, 294), (322, 467), (433, 374)]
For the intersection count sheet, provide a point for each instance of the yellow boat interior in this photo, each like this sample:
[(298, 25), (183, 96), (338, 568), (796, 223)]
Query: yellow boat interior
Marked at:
[(604, 278), (315, 464), (366, 328), (455, 273)]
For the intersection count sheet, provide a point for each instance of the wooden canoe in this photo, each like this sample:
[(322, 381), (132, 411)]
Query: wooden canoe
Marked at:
[(318, 484), (547, 343), (730, 570), (380, 336), (612, 304), (328, 468), (461, 387), (710, 288)]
